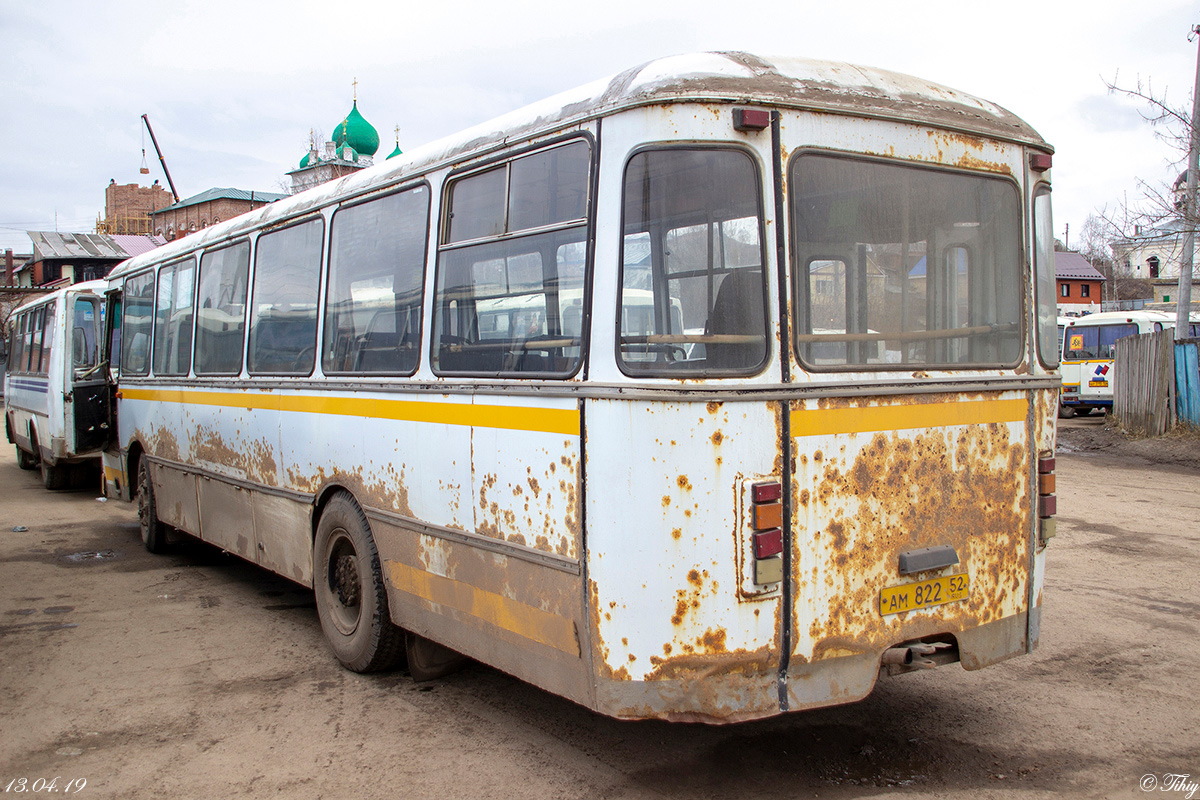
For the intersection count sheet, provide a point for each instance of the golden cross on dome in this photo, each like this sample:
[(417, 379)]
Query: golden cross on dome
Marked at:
[(355, 84)]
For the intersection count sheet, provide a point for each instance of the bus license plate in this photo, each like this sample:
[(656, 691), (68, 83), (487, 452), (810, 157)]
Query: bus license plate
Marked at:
[(926, 594)]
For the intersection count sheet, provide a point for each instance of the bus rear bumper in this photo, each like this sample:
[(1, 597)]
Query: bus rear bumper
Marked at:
[(754, 691), (847, 679)]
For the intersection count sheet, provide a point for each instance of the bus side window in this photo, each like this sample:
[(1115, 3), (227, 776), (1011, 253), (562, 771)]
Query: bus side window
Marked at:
[(173, 318), (502, 294), (376, 285), (136, 326), (283, 315), (16, 356), (221, 310), (47, 337)]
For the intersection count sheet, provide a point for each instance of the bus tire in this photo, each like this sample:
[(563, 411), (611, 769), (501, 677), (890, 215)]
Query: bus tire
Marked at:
[(55, 476), (1065, 412), (351, 597), (428, 660), (154, 533), (26, 460)]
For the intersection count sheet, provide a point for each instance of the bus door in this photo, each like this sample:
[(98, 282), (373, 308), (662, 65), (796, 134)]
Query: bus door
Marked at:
[(116, 485), (89, 395)]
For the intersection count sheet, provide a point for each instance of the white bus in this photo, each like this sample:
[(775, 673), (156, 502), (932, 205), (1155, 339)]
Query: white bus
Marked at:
[(1089, 346), (55, 393), (798, 428)]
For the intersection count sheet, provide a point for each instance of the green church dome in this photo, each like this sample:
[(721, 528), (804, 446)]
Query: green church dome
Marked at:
[(304, 161), (357, 132), (396, 152)]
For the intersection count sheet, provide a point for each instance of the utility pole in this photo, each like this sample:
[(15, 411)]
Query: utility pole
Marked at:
[(1189, 228)]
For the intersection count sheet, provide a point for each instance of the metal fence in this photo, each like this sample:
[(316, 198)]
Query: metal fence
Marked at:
[(1156, 383)]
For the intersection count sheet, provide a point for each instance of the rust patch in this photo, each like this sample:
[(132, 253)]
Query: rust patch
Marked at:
[(889, 492), (706, 666), (255, 460), (683, 482), (164, 445), (717, 438)]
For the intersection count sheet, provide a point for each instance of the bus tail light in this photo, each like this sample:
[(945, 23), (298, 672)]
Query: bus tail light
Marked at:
[(768, 543), (766, 519), (1047, 501), (751, 119)]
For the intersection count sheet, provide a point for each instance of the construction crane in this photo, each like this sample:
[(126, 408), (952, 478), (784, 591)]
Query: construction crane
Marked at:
[(161, 160)]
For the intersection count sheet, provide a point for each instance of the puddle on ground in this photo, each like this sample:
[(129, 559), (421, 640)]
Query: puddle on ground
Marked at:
[(92, 556)]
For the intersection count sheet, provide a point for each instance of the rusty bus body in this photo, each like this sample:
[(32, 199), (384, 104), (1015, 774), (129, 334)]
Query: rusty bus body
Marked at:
[(770, 406)]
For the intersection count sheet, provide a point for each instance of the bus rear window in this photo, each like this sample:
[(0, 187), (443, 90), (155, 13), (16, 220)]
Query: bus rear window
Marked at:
[(899, 265)]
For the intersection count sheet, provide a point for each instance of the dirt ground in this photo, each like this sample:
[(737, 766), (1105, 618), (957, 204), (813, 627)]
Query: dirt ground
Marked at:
[(196, 675), (1099, 433)]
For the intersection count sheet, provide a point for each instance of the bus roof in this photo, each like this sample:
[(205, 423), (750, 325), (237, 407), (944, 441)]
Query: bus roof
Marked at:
[(1109, 317), (92, 287), (731, 77)]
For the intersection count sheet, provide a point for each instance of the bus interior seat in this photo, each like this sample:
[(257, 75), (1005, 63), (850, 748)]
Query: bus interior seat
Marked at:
[(738, 309)]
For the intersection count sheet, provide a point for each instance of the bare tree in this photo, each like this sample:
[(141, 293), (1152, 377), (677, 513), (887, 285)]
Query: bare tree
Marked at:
[(1173, 208)]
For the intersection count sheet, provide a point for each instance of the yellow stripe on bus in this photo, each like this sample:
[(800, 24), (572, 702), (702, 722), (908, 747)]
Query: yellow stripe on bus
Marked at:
[(872, 419), (521, 418), (511, 615)]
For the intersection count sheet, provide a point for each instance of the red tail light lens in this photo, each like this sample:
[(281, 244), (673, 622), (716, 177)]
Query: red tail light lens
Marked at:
[(768, 543)]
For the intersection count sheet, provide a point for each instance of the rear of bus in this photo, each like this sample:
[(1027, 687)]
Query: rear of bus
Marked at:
[(839, 464)]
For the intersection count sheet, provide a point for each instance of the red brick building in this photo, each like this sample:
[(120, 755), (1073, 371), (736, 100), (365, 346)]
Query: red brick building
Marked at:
[(207, 208), (127, 208)]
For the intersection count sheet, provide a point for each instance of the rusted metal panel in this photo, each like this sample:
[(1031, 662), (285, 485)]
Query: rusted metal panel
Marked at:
[(281, 528), (671, 634), (175, 498), (526, 485), (524, 618), (227, 517), (878, 476)]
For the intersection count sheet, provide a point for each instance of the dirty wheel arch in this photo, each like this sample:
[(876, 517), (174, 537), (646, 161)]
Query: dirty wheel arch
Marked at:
[(351, 597)]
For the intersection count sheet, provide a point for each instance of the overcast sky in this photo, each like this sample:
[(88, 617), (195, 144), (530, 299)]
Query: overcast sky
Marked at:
[(233, 88)]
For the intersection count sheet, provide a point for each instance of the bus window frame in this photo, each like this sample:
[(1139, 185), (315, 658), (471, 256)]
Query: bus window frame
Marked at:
[(328, 287), (127, 342), (212, 249), (799, 299), (765, 258), (173, 268), (1040, 191), (252, 298), (443, 245)]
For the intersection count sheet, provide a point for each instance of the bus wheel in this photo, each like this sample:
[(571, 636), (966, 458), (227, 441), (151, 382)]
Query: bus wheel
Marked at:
[(428, 660), (26, 460), (154, 533), (1065, 412), (351, 597), (55, 476)]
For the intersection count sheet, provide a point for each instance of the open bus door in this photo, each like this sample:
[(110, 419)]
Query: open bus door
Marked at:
[(115, 484), (89, 392)]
